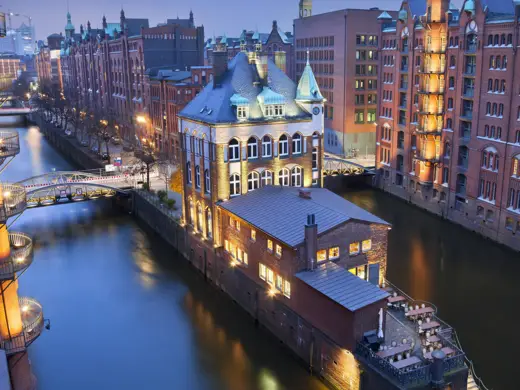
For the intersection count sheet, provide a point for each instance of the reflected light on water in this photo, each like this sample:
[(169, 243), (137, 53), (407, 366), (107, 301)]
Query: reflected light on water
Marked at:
[(267, 381), (420, 278), (34, 139)]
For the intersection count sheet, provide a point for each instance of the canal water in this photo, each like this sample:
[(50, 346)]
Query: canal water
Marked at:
[(126, 311), (472, 281)]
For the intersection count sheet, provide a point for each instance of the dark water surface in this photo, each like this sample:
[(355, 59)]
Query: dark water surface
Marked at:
[(127, 313), (472, 281)]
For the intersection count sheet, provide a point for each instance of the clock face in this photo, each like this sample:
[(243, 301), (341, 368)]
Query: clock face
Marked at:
[(316, 110)]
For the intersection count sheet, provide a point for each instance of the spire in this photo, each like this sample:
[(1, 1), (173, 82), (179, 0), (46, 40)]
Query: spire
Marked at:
[(81, 29), (88, 26), (192, 21), (105, 25), (122, 21), (308, 89), (69, 27)]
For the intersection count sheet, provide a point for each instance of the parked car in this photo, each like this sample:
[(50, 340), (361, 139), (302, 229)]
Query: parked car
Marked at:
[(116, 140), (68, 133), (84, 143)]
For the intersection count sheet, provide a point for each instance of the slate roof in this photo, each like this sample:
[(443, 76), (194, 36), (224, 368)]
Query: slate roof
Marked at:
[(341, 286), (282, 213), (242, 78), (308, 88), (499, 6), (134, 25)]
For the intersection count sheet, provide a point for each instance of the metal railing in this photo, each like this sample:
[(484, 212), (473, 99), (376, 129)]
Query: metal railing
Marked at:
[(9, 144), (30, 330), (153, 199), (21, 255), (12, 200)]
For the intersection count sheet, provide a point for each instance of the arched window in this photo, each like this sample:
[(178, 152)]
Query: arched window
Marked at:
[(316, 135), (488, 108), (496, 85), (196, 78), (234, 150), (490, 40), (252, 148), (297, 143), (515, 169), (209, 224), (447, 150), (499, 132), (188, 172), (267, 178), (494, 111), (510, 39), (486, 131), (502, 86), (197, 176), (452, 61), (283, 146), (283, 177), (492, 62), (484, 159), (461, 184), (517, 137), (267, 146), (504, 62), (297, 177), (450, 103), (207, 181), (490, 85), (449, 123), (496, 40), (492, 133), (253, 181), (500, 109), (498, 62), (234, 185), (463, 156), (314, 159), (199, 218), (503, 39)]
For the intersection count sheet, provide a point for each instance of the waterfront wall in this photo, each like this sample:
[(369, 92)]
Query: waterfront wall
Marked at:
[(450, 209)]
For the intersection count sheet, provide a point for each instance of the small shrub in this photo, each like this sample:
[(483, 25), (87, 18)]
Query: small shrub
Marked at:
[(162, 195), (146, 187), (170, 203)]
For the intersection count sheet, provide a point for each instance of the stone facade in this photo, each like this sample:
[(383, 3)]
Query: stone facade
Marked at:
[(343, 52), (460, 158)]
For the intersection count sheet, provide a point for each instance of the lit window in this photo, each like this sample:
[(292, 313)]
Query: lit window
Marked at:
[(269, 245), (246, 260), (270, 276), (321, 255), (278, 250), (234, 185), (238, 225), (232, 249), (262, 272), (234, 150), (297, 144), (266, 146), (283, 177), (241, 112), (334, 253), (253, 235), (287, 289), (279, 282), (231, 221), (354, 248), (267, 178), (353, 271), (361, 272), (283, 146), (366, 245), (239, 254), (226, 245)]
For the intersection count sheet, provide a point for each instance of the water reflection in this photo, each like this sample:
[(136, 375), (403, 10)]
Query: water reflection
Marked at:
[(473, 281)]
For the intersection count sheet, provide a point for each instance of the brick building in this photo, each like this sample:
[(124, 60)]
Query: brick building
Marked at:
[(106, 67), (10, 68), (270, 43), (304, 262), (343, 50), (448, 130), (167, 91), (48, 61)]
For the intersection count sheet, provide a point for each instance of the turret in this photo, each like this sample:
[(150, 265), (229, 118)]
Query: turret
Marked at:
[(105, 25), (192, 21), (122, 21), (305, 8)]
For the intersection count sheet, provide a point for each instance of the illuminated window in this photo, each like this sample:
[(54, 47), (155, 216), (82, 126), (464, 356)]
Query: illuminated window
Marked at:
[(226, 245), (287, 288), (253, 235), (366, 245), (354, 248), (279, 282), (232, 249), (361, 272), (239, 254), (270, 276), (321, 255), (262, 271), (269, 245), (230, 221), (353, 271), (278, 250), (334, 253), (238, 225), (246, 259)]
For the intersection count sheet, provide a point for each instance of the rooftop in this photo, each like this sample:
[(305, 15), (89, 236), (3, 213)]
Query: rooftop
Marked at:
[(282, 213), (341, 286)]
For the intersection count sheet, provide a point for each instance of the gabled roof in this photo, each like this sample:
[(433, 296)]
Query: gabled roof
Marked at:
[(267, 96), (308, 89), (213, 105), (338, 284), (282, 213)]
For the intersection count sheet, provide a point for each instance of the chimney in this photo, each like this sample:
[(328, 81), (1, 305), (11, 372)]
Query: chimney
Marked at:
[(280, 60), (220, 62), (262, 66), (311, 241)]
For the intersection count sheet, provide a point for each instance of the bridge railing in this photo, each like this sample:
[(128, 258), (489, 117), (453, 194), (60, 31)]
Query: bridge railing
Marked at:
[(9, 143)]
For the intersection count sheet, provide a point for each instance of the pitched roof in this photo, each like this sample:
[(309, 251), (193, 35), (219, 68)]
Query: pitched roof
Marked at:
[(499, 6), (282, 213), (308, 88), (243, 78), (341, 286)]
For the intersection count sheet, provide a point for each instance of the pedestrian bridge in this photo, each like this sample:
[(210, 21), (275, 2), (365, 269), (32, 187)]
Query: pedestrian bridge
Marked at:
[(65, 187), (335, 166)]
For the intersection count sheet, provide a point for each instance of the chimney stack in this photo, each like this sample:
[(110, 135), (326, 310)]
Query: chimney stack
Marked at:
[(220, 63), (262, 65), (311, 241), (280, 60)]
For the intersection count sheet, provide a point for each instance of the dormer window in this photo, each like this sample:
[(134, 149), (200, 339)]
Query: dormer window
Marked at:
[(241, 112)]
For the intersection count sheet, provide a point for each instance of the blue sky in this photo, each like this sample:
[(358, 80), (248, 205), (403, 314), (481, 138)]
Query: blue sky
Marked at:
[(217, 16)]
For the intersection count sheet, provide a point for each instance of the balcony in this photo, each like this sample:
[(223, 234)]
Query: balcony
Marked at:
[(9, 144), (469, 92), (12, 200), (466, 115), (471, 48), (33, 323), (432, 70), (411, 338), (21, 255), (423, 131)]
